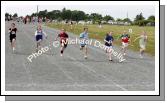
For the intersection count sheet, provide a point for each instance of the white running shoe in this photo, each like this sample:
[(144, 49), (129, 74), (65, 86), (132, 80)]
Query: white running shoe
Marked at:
[(13, 49), (81, 48), (110, 60), (61, 55), (141, 56), (124, 54), (85, 57)]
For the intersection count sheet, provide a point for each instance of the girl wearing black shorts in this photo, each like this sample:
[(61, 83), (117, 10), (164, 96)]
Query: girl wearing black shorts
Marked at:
[(12, 36), (63, 40)]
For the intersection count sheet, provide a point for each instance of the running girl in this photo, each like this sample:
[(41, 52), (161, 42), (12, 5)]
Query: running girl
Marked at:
[(142, 42), (125, 41), (63, 40), (83, 38), (12, 36), (109, 43), (39, 37)]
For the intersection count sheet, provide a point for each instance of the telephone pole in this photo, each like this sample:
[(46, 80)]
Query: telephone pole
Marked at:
[(37, 14), (127, 15)]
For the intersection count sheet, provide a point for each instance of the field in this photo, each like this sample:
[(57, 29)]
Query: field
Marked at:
[(99, 33)]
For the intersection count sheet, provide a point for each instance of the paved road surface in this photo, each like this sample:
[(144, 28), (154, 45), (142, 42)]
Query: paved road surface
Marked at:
[(51, 72)]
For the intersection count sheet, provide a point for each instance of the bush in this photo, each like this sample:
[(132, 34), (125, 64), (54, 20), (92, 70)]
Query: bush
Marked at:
[(141, 22)]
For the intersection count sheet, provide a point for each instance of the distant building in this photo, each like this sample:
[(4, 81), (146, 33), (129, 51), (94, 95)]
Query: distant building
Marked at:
[(74, 22), (89, 22), (103, 22), (126, 23), (82, 22), (55, 21), (151, 24), (63, 22), (110, 22)]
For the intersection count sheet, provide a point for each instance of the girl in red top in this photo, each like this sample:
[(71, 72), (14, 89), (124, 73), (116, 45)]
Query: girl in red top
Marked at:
[(63, 40), (125, 41)]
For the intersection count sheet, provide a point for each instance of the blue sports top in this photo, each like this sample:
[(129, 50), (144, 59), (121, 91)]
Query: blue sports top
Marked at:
[(110, 39), (84, 35)]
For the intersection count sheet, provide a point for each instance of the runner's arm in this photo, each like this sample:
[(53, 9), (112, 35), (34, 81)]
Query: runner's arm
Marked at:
[(146, 38), (9, 30), (45, 34), (66, 36), (136, 38), (80, 36), (17, 30), (112, 40), (35, 33), (57, 37), (105, 40), (119, 37), (129, 39)]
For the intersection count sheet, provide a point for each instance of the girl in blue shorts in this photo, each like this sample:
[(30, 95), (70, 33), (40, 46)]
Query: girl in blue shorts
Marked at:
[(109, 43)]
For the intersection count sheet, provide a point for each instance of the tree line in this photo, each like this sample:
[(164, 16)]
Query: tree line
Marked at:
[(77, 15)]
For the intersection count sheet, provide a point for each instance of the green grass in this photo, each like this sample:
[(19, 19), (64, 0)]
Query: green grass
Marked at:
[(99, 33)]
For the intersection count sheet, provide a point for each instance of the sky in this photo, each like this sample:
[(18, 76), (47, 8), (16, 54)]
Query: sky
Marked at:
[(116, 11)]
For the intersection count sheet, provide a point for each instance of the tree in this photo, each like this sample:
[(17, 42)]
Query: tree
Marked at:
[(95, 17), (143, 22), (81, 15), (42, 13), (15, 15), (127, 20), (151, 18), (78, 15), (33, 14), (74, 15), (66, 14), (59, 19), (119, 20), (139, 20), (6, 15), (57, 13), (50, 15), (107, 18), (139, 17)]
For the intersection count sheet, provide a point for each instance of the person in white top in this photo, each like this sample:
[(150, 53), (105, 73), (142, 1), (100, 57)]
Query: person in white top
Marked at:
[(39, 37), (142, 42)]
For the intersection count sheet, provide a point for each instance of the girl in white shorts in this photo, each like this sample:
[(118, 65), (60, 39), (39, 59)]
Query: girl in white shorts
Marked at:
[(142, 42)]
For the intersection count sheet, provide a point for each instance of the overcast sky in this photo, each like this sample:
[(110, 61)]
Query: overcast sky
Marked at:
[(116, 11)]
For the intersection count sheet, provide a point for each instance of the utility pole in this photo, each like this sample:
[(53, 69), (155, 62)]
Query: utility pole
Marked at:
[(127, 17), (37, 8), (127, 14), (37, 14)]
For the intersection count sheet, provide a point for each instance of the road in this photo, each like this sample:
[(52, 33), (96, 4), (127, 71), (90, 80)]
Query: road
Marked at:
[(71, 72)]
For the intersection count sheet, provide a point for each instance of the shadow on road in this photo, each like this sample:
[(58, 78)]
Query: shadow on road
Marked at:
[(92, 60)]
